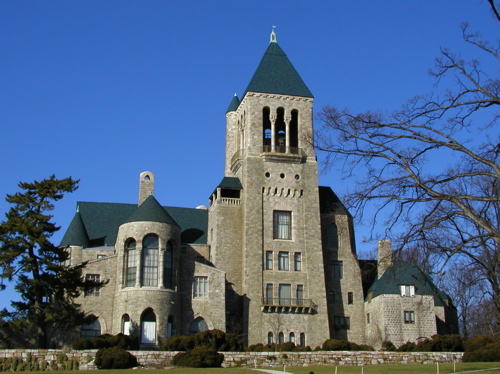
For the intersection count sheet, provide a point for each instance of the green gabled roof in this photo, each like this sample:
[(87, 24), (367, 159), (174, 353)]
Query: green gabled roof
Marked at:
[(233, 105), (101, 222), (151, 211), (405, 273), (276, 74), (76, 233)]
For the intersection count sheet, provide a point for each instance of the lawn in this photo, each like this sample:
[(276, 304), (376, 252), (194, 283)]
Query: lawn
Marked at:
[(372, 369)]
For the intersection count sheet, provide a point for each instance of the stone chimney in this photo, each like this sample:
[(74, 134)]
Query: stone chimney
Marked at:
[(384, 257), (146, 185)]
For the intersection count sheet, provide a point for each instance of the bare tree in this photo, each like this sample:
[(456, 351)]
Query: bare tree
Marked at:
[(431, 169)]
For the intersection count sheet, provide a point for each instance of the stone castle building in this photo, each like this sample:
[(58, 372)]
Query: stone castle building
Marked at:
[(272, 258)]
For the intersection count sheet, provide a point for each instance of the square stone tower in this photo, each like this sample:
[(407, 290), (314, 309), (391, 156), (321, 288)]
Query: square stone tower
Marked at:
[(264, 218)]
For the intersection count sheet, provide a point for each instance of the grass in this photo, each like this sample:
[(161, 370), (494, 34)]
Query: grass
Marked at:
[(372, 369)]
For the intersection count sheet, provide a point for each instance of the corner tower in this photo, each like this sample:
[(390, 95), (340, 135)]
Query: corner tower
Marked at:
[(267, 237)]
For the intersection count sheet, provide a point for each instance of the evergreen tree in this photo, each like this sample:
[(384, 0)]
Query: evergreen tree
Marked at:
[(46, 285)]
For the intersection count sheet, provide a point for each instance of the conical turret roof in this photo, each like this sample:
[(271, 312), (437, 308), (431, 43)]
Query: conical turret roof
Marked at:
[(235, 102), (276, 74), (151, 211)]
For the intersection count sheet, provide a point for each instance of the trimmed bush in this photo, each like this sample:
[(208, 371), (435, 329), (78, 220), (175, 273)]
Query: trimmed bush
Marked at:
[(336, 345), (388, 346), (482, 349), (106, 341), (200, 357), (114, 358), (178, 343), (215, 339)]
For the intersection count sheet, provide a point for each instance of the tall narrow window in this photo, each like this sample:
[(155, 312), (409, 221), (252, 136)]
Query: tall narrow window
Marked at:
[(350, 298), (294, 132), (283, 261), (285, 294), (148, 327), (131, 263), (168, 261), (126, 324), (331, 297), (297, 261), (292, 337), (333, 236), (270, 338), (300, 294), (266, 128), (269, 293), (200, 287), (302, 340), (150, 261), (170, 326), (282, 224), (337, 270), (269, 260), (281, 337)]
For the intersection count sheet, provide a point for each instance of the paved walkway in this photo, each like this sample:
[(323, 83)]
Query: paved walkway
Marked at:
[(272, 371)]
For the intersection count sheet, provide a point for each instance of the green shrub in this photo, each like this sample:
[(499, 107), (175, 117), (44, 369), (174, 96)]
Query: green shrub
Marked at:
[(388, 346), (336, 345), (200, 357), (114, 358), (482, 351), (106, 341), (478, 342), (215, 339), (178, 343), (407, 347)]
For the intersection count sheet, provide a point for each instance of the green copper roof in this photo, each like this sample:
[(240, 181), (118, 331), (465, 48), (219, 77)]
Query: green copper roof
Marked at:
[(231, 182), (151, 211), (405, 273), (276, 74), (235, 102), (101, 222), (76, 233)]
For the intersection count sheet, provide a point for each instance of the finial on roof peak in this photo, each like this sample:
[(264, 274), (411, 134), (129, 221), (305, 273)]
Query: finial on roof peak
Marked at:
[(273, 36)]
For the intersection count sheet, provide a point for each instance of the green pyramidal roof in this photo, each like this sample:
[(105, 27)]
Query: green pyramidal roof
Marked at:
[(76, 233), (276, 74), (151, 211)]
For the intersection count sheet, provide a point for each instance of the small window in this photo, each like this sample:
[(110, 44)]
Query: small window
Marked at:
[(283, 261), (168, 267), (150, 252), (270, 338), (300, 294), (269, 293), (291, 337), (281, 337), (282, 225), (269, 260), (350, 298), (342, 322), (368, 318), (302, 341), (337, 270), (126, 324), (130, 263), (409, 316), (200, 287), (297, 261), (92, 278), (331, 297), (407, 290), (333, 236), (101, 256)]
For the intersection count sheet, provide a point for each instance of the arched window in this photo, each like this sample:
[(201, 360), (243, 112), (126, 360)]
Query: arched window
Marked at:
[(302, 339), (294, 130), (292, 337), (197, 325), (280, 129), (150, 261), (168, 265), (281, 338), (333, 236), (148, 327), (90, 330), (170, 326), (270, 338), (126, 324), (130, 263), (266, 128)]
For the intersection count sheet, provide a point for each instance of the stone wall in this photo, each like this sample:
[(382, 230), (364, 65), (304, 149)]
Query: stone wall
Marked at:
[(250, 359)]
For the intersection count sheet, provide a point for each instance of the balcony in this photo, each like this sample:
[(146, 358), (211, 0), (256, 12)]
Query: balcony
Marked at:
[(286, 305), (283, 154)]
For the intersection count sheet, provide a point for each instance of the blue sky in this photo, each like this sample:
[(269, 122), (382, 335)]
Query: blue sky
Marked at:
[(103, 90)]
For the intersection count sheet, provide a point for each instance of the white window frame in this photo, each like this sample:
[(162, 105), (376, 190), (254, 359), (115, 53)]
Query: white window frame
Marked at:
[(200, 287), (284, 260), (407, 290), (409, 316)]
